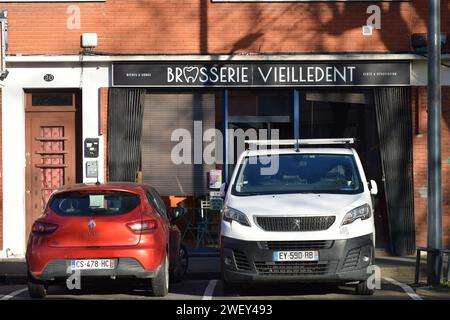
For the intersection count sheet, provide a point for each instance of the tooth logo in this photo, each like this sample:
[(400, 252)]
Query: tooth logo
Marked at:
[(190, 74)]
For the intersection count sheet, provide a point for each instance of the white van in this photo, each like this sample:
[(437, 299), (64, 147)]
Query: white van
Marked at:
[(310, 219)]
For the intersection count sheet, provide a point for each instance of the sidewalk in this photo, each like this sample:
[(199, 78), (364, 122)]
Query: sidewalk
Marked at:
[(13, 271)]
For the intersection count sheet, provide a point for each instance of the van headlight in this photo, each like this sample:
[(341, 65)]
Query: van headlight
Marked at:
[(230, 214), (362, 212)]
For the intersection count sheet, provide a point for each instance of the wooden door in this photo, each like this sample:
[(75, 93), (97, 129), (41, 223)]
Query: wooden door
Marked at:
[(50, 148)]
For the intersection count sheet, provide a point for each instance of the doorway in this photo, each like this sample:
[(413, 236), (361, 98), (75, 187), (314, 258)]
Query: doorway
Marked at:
[(51, 134), (349, 114), (268, 114)]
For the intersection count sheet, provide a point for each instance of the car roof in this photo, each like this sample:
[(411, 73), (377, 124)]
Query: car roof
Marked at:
[(124, 186), (263, 152)]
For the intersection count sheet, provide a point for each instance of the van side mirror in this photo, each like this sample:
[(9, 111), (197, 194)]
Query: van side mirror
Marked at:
[(223, 190), (373, 188), (177, 213)]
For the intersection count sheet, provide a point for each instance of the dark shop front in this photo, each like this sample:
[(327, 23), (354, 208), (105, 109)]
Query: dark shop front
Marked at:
[(155, 105)]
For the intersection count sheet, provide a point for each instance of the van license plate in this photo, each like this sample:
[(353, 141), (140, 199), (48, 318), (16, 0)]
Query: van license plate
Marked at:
[(296, 256), (92, 264)]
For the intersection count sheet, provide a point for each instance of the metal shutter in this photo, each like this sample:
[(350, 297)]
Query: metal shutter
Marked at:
[(393, 110), (124, 133), (164, 113)]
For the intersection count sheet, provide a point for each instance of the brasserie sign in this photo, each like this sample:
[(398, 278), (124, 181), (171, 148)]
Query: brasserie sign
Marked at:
[(215, 74)]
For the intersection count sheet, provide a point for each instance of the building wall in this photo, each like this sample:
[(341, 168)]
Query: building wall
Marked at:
[(419, 109), (202, 26), (89, 78), (1, 176)]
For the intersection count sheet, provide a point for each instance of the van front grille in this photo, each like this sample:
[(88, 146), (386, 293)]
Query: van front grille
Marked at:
[(295, 224), (292, 268), (351, 260), (296, 245), (241, 260)]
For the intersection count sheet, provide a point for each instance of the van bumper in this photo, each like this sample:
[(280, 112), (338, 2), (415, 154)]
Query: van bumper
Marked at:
[(339, 261)]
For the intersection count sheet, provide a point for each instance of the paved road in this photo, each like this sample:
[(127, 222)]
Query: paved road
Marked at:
[(201, 283)]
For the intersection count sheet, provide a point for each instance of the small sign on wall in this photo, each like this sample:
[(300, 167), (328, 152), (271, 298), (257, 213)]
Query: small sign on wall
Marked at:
[(49, 77), (92, 169)]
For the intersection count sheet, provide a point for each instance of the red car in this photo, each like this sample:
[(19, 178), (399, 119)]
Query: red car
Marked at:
[(105, 230)]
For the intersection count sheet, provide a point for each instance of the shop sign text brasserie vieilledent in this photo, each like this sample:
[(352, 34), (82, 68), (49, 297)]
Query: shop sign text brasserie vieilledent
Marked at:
[(261, 74)]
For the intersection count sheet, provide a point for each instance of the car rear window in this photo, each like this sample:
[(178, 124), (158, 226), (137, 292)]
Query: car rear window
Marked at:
[(94, 204)]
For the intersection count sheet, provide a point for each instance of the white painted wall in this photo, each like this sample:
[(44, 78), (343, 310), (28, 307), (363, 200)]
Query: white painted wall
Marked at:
[(26, 76)]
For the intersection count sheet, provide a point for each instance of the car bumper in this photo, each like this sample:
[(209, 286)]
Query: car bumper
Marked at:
[(339, 261), (52, 263), (60, 269)]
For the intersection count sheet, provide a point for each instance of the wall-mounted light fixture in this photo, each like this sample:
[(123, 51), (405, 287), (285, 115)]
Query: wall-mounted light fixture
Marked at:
[(89, 40), (419, 41)]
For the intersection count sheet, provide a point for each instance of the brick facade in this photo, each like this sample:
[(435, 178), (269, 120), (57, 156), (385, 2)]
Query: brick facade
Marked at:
[(201, 26), (419, 108)]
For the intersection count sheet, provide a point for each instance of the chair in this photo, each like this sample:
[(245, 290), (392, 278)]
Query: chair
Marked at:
[(211, 218), (196, 227)]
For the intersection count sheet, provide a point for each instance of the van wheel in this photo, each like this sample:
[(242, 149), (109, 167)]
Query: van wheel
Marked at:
[(160, 284), (36, 290), (363, 290)]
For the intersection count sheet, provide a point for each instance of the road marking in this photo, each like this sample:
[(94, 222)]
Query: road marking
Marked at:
[(209, 290), (409, 291), (13, 294)]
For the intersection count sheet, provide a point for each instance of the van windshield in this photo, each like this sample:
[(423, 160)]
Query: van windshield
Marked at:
[(94, 203), (298, 173)]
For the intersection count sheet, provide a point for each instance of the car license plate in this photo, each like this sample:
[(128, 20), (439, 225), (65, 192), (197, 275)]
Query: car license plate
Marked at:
[(296, 256), (92, 264)]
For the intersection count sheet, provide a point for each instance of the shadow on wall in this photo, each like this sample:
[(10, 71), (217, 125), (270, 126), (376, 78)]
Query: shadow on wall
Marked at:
[(334, 28)]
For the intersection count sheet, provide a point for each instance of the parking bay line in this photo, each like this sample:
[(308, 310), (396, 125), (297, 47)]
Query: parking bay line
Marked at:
[(208, 294), (13, 294), (409, 291)]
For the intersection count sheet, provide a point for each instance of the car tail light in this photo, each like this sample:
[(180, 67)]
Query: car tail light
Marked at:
[(43, 228), (143, 226)]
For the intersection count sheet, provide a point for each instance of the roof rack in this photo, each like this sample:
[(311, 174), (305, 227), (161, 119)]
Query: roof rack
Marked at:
[(302, 142)]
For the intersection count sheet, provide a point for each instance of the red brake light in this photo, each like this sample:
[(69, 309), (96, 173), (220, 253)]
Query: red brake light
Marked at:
[(43, 228), (143, 226)]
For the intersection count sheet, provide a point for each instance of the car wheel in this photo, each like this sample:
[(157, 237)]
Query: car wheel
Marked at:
[(182, 265), (160, 283), (362, 289), (36, 290)]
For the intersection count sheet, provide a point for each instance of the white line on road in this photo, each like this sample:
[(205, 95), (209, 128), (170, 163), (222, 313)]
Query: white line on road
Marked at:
[(13, 294), (409, 291), (209, 290)]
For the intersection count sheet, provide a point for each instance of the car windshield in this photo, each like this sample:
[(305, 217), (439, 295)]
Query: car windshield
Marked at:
[(93, 204), (299, 173)]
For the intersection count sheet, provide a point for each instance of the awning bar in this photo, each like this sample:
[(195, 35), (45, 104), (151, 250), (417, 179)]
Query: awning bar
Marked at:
[(300, 142)]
